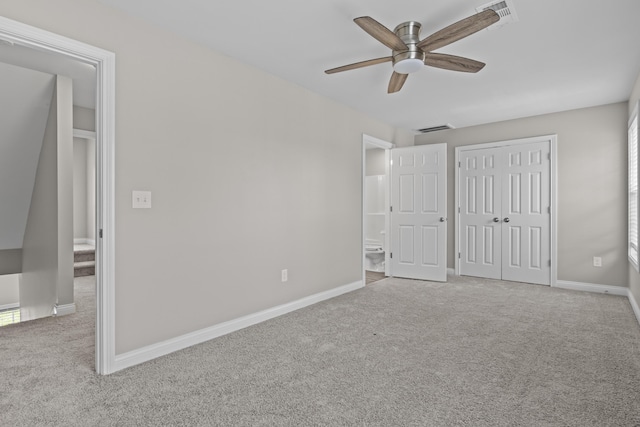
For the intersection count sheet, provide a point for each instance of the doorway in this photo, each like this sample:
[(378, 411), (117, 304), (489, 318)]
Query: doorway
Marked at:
[(413, 185), (375, 211), (16, 33), (505, 204)]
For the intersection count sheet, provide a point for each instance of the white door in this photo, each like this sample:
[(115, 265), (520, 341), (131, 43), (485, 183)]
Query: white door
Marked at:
[(526, 202), (505, 226), (419, 212), (480, 213)]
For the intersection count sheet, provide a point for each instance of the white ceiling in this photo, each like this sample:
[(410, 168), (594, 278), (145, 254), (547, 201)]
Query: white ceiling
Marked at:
[(561, 55)]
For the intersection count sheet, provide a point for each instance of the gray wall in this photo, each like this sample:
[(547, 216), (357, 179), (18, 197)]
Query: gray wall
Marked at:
[(84, 194), (79, 188), (591, 185), (47, 259), (84, 118), (10, 261), (374, 162), (250, 175), (9, 290), (634, 277), (91, 189)]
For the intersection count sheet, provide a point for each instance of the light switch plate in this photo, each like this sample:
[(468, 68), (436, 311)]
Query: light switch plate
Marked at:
[(141, 199)]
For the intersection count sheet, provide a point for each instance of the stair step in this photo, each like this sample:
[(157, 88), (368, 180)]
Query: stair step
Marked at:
[(84, 255), (84, 268)]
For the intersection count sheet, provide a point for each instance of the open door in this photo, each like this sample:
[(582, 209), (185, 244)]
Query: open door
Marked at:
[(419, 212)]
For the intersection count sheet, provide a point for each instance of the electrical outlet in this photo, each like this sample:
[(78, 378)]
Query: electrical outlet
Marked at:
[(597, 261), (285, 275)]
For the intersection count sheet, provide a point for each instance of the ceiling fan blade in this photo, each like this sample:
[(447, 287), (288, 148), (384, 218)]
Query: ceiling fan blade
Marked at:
[(359, 65), (396, 82), (459, 30), (380, 33), (452, 62)]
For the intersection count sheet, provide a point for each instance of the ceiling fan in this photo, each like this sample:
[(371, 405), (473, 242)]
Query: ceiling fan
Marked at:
[(409, 54)]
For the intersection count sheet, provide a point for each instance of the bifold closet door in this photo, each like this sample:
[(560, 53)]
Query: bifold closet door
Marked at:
[(505, 213)]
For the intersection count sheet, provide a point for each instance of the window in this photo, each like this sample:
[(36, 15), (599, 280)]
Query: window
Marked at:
[(633, 188)]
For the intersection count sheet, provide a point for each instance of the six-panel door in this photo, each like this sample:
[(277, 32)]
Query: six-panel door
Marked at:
[(418, 220), (505, 213)]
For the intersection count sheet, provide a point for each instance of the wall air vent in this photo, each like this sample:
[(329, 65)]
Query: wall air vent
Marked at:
[(504, 8), (436, 128)]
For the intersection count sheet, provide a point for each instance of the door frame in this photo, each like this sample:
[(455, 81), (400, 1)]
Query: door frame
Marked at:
[(368, 140), (104, 63), (553, 182)]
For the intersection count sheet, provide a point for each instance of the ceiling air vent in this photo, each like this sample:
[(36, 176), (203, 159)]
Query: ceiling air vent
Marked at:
[(503, 8), (435, 128)]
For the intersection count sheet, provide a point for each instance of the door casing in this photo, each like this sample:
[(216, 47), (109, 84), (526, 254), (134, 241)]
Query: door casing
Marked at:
[(104, 62), (552, 139)]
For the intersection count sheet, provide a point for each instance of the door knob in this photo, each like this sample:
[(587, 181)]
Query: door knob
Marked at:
[(507, 220), (496, 219), (443, 219)]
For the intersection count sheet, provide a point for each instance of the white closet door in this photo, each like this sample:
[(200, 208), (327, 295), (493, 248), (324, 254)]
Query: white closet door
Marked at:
[(526, 217), (419, 212), (505, 219), (480, 213)]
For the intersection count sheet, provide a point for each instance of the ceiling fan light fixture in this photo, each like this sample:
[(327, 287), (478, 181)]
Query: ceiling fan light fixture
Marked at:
[(408, 66)]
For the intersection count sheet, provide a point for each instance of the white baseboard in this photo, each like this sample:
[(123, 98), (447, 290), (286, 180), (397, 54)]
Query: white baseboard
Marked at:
[(10, 306), (64, 309), (591, 287), (634, 305), (153, 351), (602, 289), (84, 241)]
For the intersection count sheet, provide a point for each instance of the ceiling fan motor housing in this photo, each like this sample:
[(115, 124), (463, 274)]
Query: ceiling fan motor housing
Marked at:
[(409, 60)]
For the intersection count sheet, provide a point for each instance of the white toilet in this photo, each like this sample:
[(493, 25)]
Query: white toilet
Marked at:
[(374, 255)]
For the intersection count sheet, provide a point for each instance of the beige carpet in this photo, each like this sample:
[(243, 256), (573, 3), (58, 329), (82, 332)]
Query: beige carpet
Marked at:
[(396, 353)]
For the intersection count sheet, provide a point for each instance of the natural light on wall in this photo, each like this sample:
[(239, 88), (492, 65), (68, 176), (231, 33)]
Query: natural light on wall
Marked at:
[(633, 188)]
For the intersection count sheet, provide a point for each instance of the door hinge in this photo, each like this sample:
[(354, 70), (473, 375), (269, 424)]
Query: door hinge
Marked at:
[(549, 209), (390, 254), (459, 255), (549, 156), (459, 164), (100, 233), (390, 208), (458, 209)]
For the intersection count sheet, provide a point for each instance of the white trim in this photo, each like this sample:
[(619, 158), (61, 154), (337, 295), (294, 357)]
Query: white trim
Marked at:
[(84, 241), (633, 117), (602, 289), (64, 309), (11, 306), (592, 287), (554, 209), (370, 140), (84, 134), (553, 182), (377, 142), (634, 305), (153, 351), (104, 62)]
